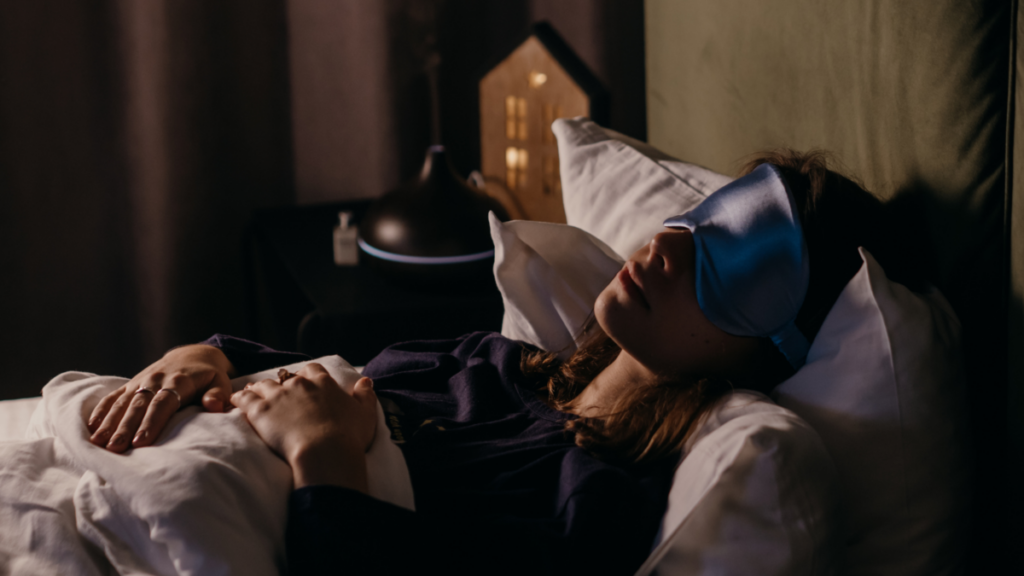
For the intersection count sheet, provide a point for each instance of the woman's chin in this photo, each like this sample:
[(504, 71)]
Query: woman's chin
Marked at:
[(611, 315), (603, 307)]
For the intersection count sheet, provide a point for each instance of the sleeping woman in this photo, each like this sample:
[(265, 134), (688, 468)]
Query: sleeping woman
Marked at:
[(522, 463)]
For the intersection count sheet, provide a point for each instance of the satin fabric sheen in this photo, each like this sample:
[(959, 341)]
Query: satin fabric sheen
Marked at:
[(751, 260)]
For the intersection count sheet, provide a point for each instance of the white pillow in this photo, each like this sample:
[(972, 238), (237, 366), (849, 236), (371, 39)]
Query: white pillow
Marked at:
[(884, 386), (755, 494), (621, 190), (549, 276)]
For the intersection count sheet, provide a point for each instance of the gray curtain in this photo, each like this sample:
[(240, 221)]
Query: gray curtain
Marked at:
[(137, 136), (134, 139)]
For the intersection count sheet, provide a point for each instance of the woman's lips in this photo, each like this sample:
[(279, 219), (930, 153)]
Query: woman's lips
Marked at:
[(630, 285)]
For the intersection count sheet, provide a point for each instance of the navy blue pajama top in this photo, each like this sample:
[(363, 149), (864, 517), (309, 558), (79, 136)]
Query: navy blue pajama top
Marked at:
[(499, 486)]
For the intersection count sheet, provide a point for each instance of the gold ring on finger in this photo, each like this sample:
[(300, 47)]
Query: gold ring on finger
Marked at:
[(172, 391), (283, 374), (142, 389)]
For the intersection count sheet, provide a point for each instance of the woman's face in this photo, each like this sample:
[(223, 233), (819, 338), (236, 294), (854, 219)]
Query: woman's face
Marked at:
[(650, 310)]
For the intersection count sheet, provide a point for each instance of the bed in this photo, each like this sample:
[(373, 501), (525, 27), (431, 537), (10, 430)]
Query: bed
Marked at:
[(918, 100)]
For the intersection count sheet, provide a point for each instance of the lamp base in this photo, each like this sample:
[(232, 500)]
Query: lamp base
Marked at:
[(473, 277)]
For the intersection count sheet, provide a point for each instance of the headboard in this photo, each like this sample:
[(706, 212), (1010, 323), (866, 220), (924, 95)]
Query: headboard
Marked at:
[(917, 100)]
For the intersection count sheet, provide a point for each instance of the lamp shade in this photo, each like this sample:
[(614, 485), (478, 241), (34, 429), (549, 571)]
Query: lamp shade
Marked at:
[(432, 233)]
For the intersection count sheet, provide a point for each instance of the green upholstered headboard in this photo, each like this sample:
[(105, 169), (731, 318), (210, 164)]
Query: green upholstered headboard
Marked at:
[(917, 100)]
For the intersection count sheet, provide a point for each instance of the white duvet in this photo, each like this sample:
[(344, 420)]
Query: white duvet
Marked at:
[(209, 498)]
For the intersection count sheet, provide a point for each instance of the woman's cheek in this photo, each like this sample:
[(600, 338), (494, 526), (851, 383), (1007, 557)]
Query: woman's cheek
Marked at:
[(620, 323), (604, 309)]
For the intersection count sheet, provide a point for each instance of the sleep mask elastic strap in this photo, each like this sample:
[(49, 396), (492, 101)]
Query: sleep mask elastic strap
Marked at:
[(751, 262)]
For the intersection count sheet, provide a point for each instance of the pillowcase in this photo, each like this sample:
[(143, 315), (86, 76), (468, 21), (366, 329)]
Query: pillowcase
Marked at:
[(755, 494), (883, 384), (621, 190), (549, 276)]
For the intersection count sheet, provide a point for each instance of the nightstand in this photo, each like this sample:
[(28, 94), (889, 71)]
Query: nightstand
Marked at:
[(297, 299)]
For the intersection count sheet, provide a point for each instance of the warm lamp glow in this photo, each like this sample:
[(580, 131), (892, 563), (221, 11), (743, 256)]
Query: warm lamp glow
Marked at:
[(516, 162), (521, 118), (519, 100), (390, 230), (510, 117)]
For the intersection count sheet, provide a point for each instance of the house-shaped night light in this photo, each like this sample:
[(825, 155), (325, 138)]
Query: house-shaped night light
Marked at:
[(540, 81)]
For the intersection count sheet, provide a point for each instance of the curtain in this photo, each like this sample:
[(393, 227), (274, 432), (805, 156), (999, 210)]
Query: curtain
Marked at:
[(137, 137)]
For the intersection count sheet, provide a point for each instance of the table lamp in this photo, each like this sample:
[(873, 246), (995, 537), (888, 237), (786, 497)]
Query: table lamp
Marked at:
[(433, 233)]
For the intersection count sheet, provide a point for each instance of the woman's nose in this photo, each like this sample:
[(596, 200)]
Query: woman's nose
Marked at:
[(657, 251), (669, 249)]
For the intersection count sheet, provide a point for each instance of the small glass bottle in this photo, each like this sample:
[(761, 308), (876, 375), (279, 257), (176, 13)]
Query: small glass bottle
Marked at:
[(346, 252)]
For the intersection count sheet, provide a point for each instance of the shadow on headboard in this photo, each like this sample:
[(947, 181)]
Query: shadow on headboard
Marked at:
[(907, 224)]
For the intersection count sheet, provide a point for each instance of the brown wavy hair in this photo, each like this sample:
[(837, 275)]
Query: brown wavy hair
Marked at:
[(654, 421)]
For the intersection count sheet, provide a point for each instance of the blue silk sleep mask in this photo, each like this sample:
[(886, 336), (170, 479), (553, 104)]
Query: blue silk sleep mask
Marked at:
[(751, 260)]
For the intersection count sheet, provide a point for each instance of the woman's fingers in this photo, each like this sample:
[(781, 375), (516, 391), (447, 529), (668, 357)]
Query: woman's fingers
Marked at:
[(218, 397), (137, 407), (112, 419), (264, 388), (101, 409), (312, 370), (136, 414), (101, 437), (161, 407), (363, 392), (128, 417), (313, 373), (247, 401), (151, 404), (253, 392)]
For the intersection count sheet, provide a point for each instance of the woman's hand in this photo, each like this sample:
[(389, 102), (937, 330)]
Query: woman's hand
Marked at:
[(136, 413), (322, 431)]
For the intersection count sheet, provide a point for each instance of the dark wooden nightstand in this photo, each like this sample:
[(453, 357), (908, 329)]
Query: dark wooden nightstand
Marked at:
[(299, 300)]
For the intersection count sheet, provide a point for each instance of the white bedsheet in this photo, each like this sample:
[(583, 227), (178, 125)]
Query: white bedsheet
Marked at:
[(209, 498), (14, 417)]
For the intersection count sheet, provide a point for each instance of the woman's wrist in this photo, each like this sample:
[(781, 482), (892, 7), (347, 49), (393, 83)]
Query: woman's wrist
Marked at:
[(333, 464), (208, 353), (220, 359)]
